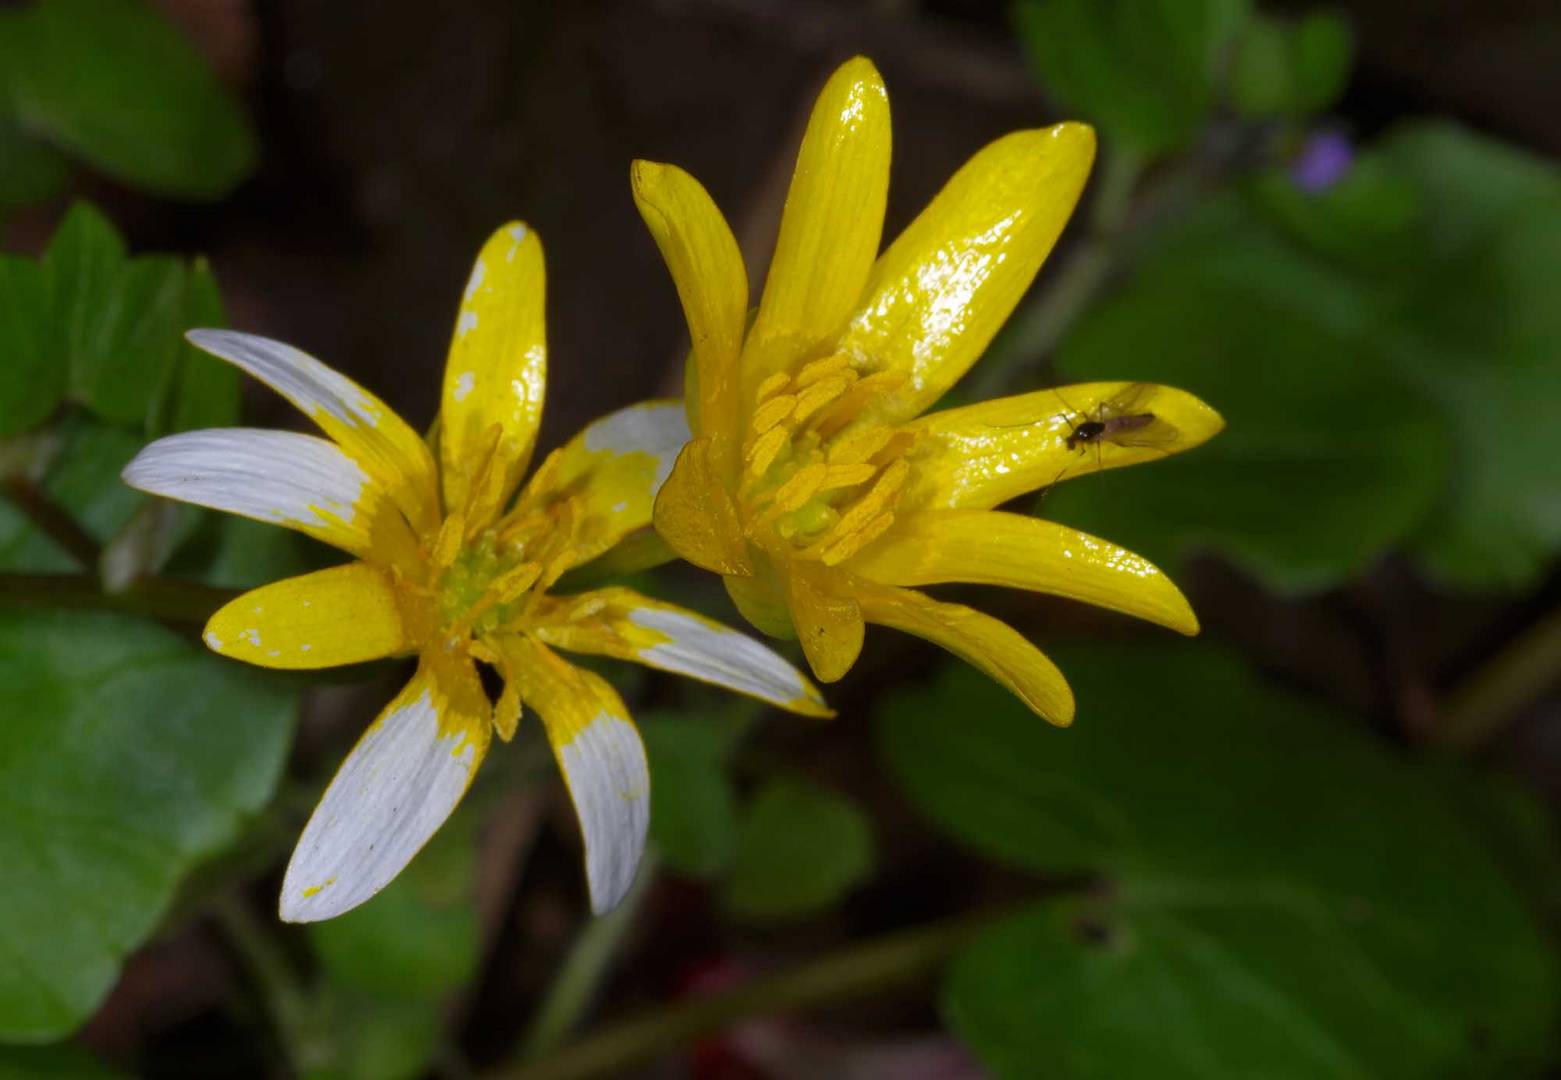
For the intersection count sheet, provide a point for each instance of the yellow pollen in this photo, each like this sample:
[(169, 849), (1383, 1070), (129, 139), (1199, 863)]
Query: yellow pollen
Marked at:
[(772, 412), (813, 372), (859, 445), (871, 504), (802, 486), (770, 385), (820, 394), (452, 532), (761, 452), (847, 546), (844, 476)]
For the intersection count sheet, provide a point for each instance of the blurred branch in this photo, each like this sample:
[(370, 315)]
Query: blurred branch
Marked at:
[(157, 598), (1517, 675), (852, 972), (52, 521), (272, 974), (583, 969)]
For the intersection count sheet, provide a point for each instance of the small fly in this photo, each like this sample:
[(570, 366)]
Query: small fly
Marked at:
[(1120, 419)]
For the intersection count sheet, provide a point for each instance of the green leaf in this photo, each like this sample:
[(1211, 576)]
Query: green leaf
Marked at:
[(1328, 459), (1321, 54), (418, 938), (32, 380), (693, 810), (82, 478), (1281, 895), (128, 754), (205, 390), (1284, 69), (800, 849), (1143, 71), (30, 171), (114, 83), (365, 1037), (62, 1061), (1260, 72)]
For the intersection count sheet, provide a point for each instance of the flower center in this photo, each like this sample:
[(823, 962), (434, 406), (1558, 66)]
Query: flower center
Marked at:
[(819, 481)]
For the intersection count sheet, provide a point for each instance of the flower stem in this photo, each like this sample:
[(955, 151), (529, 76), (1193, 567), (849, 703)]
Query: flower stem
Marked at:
[(583, 970), (272, 974), (1515, 676), (854, 971), (157, 598), (52, 521)]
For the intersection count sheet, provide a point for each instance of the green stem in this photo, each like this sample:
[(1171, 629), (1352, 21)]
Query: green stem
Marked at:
[(53, 522), (852, 972), (582, 972), (272, 973), (1517, 675), (158, 598)]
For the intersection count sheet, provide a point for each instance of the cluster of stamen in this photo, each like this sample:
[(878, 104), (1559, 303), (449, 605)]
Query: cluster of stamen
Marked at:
[(816, 477)]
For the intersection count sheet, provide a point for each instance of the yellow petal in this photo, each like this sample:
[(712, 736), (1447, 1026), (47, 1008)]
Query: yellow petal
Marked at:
[(828, 623), (621, 623), (982, 455), (761, 599), (832, 223), (695, 516), (950, 280), (602, 759), (398, 785), (987, 643), (712, 283), (344, 615), (370, 432), (497, 368), (985, 547), (610, 473)]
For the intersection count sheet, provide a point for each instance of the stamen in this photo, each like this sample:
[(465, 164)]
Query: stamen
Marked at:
[(452, 533), (816, 370), (859, 445), (802, 486), (772, 412), (761, 452), (847, 546), (771, 384), (844, 476), (821, 394)]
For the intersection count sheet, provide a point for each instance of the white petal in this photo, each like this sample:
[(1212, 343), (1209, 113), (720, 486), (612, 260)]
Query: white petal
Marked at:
[(399, 784), (717, 654), (312, 386), (609, 782), (659, 428), (297, 480)]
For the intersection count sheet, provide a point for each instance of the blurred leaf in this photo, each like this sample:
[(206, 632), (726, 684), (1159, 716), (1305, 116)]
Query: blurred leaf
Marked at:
[(238, 553), (418, 938), (377, 1038), (205, 390), (693, 810), (62, 1061), (113, 82), (1143, 71), (127, 755), (30, 171), (1283, 896), (1480, 332), (82, 479), (1328, 459), (800, 849), (1291, 69), (33, 378)]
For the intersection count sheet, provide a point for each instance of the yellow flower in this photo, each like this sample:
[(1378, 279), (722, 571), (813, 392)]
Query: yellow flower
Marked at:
[(450, 567), (813, 483)]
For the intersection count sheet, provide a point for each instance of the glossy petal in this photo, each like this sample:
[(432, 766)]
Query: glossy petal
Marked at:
[(497, 370), (612, 471), (364, 426), (343, 615), (832, 222), (300, 481), (712, 283), (399, 784), (980, 640), (950, 280), (980, 456), (622, 623), (695, 515), (985, 547), (602, 759)]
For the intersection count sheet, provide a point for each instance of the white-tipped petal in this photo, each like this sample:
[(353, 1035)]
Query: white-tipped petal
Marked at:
[(602, 759), (622, 623), (367, 428), (397, 786), (301, 481)]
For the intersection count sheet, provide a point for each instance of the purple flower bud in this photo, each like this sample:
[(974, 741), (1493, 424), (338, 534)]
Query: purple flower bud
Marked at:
[(1325, 158)]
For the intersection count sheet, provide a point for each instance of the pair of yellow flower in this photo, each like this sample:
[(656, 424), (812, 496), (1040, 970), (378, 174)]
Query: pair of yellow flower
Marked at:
[(803, 471)]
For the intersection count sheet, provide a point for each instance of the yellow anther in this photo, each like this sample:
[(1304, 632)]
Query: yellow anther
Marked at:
[(846, 546), (447, 545), (813, 372), (802, 486), (844, 476), (513, 583), (850, 404), (770, 385), (556, 566), (874, 502), (761, 452), (820, 394), (859, 445), (506, 711), (772, 412)]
